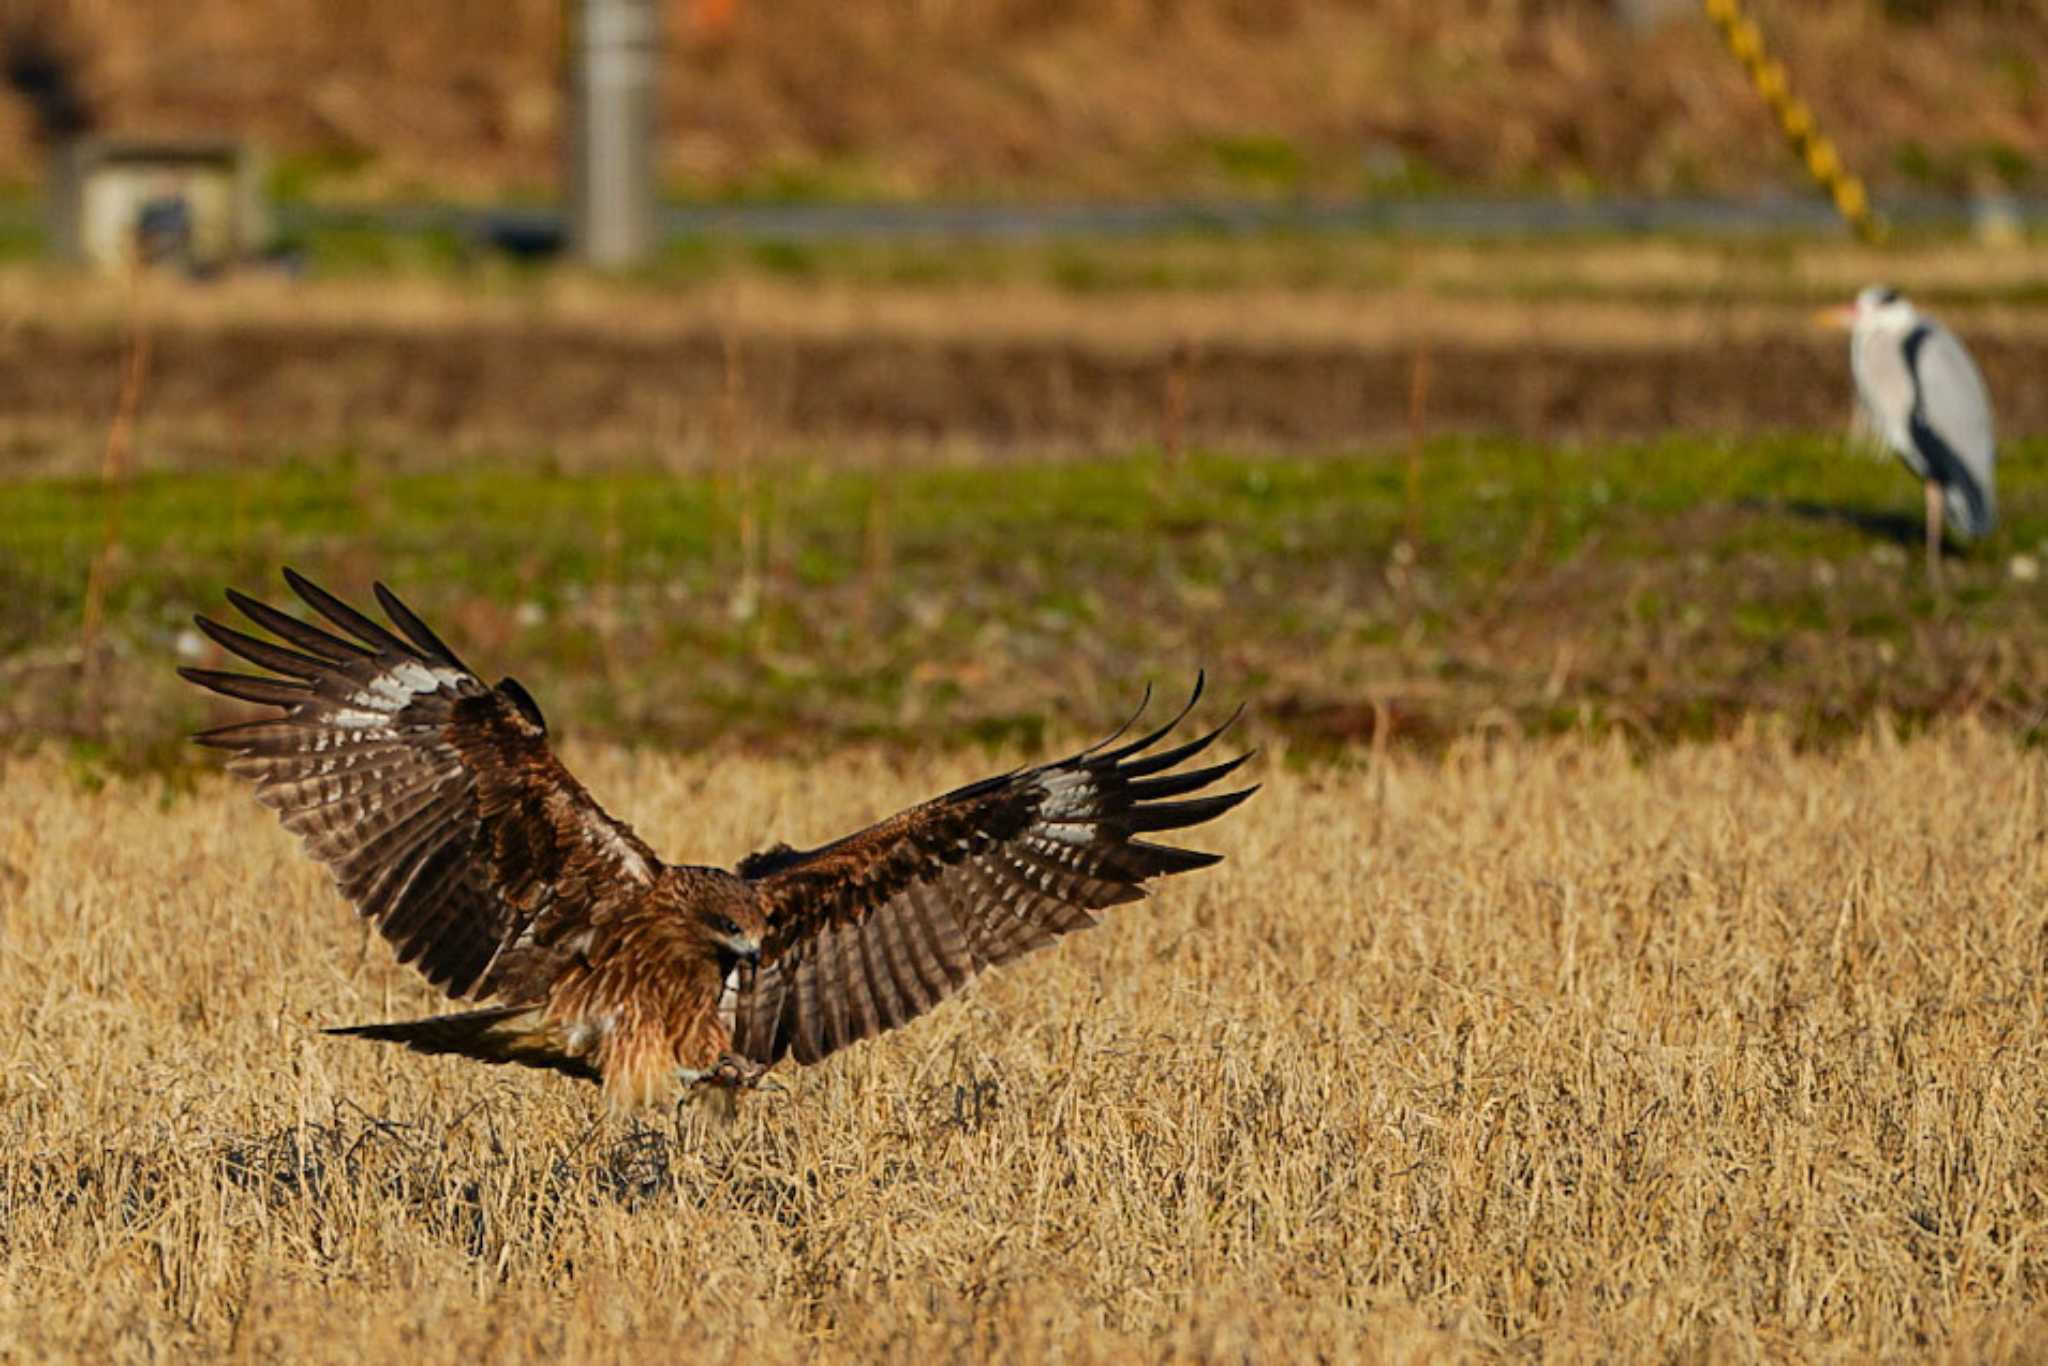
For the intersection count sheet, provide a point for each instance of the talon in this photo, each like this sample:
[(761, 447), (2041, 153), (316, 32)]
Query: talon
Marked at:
[(732, 1070)]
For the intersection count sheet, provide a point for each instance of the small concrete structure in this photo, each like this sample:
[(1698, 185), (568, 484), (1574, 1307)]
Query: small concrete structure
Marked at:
[(614, 51), (190, 203)]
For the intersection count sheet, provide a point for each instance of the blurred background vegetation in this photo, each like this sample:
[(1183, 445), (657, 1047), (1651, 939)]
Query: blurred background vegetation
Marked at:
[(962, 480), (1028, 99)]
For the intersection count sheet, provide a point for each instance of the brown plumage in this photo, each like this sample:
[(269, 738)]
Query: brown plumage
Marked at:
[(445, 818)]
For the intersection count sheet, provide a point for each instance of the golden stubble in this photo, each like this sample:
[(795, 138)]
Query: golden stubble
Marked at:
[(1530, 1048)]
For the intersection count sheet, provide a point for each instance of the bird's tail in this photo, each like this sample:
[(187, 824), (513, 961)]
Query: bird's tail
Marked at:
[(1971, 509), (518, 1034)]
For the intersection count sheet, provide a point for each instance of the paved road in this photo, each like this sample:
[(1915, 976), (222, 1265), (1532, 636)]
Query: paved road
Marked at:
[(1451, 217)]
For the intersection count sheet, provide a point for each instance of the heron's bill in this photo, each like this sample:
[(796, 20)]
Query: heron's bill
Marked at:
[(1837, 318)]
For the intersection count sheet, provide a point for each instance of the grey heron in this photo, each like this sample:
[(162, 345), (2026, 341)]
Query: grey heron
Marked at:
[(1923, 394)]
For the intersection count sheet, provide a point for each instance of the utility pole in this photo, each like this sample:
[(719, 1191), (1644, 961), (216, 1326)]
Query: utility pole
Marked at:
[(614, 50)]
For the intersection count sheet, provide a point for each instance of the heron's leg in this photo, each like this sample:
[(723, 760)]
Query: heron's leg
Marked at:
[(1935, 506)]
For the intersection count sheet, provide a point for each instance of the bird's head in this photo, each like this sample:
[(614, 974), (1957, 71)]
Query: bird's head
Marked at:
[(735, 925), (1878, 307)]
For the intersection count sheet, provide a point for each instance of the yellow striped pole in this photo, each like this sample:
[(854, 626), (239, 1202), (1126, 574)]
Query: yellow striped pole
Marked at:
[(1812, 146)]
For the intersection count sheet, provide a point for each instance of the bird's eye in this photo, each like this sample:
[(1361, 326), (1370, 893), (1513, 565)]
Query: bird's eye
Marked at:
[(724, 925)]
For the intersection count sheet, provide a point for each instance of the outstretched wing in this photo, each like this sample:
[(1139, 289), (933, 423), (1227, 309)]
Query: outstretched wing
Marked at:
[(433, 799), (873, 930)]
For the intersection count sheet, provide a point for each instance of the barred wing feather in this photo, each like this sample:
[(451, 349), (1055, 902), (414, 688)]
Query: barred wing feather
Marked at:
[(433, 799), (873, 930)]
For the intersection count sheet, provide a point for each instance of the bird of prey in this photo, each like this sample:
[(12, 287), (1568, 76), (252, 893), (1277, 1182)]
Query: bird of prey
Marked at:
[(1923, 394), (436, 803)]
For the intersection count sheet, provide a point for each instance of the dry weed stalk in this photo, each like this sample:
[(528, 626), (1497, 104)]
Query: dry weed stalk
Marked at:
[(1407, 552), (610, 603), (1173, 408), (115, 461), (735, 461), (1418, 436), (877, 549)]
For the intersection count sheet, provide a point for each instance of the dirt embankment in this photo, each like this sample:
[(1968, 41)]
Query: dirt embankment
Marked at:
[(1111, 98)]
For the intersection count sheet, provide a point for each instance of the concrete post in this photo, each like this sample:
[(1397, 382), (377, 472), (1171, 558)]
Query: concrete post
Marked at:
[(64, 200), (1645, 15), (614, 49)]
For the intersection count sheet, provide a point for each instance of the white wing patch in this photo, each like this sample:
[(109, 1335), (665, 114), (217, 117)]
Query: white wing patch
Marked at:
[(395, 688), (1067, 794)]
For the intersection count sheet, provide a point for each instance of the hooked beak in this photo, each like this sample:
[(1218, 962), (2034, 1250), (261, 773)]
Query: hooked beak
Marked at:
[(1838, 318)]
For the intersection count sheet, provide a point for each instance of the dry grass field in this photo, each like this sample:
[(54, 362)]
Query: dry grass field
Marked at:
[(1523, 1049)]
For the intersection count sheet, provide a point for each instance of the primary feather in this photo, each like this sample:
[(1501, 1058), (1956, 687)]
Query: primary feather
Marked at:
[(873, 930), (433, 799)]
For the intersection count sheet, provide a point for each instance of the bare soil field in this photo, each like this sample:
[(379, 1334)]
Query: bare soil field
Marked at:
[(1521, 1049), (594, 398)]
